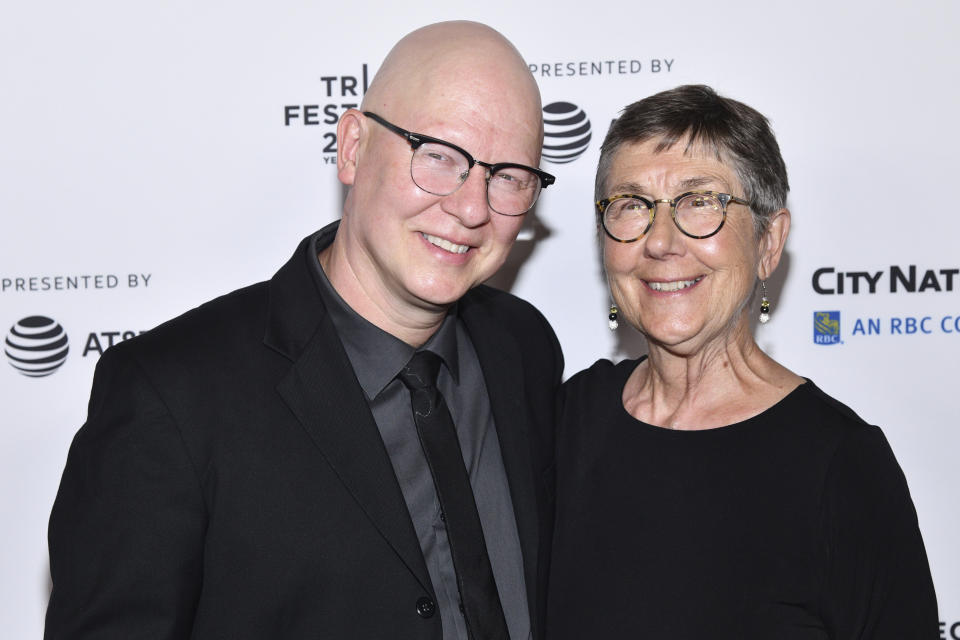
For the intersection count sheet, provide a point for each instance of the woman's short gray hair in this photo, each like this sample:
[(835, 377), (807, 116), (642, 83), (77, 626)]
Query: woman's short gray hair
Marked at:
[(735, 133)]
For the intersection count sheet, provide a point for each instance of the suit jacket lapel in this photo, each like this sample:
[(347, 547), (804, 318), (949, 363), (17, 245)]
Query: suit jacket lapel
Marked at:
[(500, 362), (324, 395)]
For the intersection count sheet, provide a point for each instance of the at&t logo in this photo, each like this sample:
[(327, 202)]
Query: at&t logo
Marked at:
[(566, 132), (37, 346)]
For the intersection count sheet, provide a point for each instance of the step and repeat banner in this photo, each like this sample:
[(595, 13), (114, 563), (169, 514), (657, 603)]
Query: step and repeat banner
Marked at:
[(156, 155)]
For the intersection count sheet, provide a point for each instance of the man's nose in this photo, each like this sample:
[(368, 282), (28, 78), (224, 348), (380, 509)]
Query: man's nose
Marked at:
[(469, 202)]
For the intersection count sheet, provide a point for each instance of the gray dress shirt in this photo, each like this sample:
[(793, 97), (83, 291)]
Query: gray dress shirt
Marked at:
[(377, 357)]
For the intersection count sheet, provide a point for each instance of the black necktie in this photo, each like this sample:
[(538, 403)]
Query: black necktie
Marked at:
[(438, 437)]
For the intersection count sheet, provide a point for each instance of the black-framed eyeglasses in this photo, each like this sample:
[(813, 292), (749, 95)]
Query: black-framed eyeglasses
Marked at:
[(440, 167), (698, 214)]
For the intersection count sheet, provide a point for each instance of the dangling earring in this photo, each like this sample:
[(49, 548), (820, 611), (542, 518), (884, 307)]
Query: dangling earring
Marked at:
[(612, 318), (764, 304)]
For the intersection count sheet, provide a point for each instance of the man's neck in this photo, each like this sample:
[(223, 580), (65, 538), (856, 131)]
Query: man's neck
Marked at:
[(371, 299)]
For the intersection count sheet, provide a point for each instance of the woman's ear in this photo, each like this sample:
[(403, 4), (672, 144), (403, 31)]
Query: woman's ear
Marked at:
[(772, 242)]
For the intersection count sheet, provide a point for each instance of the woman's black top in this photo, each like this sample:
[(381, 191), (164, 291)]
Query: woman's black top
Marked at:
[(795, 523)]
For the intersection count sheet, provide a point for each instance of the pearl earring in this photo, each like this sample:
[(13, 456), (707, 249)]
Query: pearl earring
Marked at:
[(612, 318), (764, 304)]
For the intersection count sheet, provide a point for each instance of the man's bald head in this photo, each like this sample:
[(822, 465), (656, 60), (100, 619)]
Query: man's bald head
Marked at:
[(403, 254), (455, 62)]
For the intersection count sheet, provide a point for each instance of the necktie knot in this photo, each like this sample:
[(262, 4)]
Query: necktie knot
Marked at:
[(421, 372)]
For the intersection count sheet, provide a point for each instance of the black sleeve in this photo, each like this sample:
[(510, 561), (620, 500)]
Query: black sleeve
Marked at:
[(876, 579), (126, 531)]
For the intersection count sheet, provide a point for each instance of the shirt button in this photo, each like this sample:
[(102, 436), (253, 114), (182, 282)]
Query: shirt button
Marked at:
[(426, 608)]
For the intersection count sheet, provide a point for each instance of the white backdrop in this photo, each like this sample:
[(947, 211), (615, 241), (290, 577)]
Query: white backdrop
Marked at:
[(167, 145)]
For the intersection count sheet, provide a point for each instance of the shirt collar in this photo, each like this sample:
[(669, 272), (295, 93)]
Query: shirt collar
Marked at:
[(377, 356)]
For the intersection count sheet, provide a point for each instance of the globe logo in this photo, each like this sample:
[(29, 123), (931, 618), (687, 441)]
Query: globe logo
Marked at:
[(566, 132), (36, 346)]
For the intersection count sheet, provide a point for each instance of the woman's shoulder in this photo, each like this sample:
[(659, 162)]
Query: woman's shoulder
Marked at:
[(598, 380), (820, 401), (809, 405), (603, 371), (594, 396), (590, 410), (852, 444)]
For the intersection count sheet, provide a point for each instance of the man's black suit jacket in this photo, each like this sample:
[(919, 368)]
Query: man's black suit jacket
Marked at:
[(230, 481)]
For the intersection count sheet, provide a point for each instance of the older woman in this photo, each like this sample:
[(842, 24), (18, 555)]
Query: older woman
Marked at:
[(707, 491)]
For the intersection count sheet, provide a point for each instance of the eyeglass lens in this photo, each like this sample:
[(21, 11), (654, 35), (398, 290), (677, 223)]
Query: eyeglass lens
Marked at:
[(440, 170), (696, 215)]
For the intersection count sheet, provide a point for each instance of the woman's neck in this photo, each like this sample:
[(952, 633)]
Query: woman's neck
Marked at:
[(723, 381)]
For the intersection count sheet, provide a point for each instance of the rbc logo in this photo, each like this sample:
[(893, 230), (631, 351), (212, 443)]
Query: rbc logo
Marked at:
[(826, 327)]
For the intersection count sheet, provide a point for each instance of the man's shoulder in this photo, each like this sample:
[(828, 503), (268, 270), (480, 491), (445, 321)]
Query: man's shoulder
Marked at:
[(232, 320), (229, 320), (515, 319), (513, 314)]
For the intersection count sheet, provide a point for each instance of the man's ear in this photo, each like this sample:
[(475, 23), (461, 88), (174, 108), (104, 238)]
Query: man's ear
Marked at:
[(349, 131), (772, 242)]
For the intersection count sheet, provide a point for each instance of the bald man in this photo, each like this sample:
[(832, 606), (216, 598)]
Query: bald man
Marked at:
[(255, 467)]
